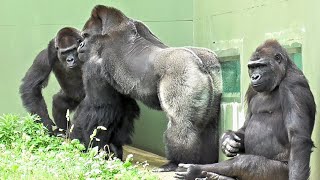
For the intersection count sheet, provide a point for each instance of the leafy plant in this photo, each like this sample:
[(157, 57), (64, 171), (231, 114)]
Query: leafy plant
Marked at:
[(27, 151)]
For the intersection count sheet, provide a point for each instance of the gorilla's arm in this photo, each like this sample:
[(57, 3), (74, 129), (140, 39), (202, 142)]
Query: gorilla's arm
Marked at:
[(300, 124), (232, 142), (35, 79)]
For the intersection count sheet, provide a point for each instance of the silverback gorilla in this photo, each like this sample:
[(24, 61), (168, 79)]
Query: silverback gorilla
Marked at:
[(275, 140), (183, 82), (61, 57)]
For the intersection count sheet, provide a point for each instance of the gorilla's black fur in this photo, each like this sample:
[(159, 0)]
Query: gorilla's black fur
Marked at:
[(183, 82), (104, 106), (61, 57), (275, 141)]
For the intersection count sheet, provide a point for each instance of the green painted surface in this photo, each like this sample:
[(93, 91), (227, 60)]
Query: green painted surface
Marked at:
[(253, 21)]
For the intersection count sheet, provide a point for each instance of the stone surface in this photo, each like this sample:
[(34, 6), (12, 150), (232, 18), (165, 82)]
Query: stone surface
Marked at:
[(154, 161)]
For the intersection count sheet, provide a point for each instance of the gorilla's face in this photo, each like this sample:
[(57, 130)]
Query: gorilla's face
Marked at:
[(67, 50), (84, 50), (90, 46), (267, 67), (69, 57)]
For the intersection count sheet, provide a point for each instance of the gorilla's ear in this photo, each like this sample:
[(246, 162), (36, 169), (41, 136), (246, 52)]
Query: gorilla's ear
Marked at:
[(109, 17)]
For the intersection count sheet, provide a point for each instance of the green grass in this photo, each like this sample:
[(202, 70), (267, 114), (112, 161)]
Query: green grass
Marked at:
[(28, 152)]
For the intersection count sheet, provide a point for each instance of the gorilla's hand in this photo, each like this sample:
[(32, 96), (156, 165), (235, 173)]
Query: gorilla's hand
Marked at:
[(191, 172), (48, 123), (231, 143), (214, 176)]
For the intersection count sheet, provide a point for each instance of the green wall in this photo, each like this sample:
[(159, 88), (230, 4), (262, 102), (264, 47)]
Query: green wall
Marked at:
[(245, 24), (26, 27)]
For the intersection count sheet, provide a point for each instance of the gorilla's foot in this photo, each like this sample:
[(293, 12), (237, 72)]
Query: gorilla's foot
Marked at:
[(171, 166)]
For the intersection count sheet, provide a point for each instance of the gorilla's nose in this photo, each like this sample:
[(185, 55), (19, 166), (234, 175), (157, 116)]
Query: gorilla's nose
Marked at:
[(70, 59), (255, 77)]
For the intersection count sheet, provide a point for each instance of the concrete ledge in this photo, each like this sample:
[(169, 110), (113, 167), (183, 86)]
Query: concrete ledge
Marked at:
[(153, 159)]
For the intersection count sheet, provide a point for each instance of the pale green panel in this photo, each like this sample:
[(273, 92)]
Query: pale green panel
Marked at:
[(178, 33), (149, 130), (10, 70), (75, 12), (154, 10)]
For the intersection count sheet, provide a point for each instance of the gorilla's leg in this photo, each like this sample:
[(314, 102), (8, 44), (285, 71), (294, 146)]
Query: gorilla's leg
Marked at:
[(248, 167), (87, 118), (185, 93), (209, 148), (61, 103), (123, 131), (117, 150)]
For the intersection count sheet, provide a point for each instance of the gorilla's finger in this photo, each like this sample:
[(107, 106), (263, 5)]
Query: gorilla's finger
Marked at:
[(180, 175), (186, 166), (236, 137), (212, 176), (224, 143), (232, 149), (233, 143), (229, 154)]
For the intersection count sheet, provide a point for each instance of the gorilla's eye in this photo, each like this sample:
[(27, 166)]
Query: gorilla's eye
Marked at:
[(278, 57), (79, 40), (85, 35)]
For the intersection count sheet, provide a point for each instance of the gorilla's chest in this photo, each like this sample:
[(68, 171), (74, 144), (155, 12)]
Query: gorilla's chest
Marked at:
[(70, 81), (266, 134)]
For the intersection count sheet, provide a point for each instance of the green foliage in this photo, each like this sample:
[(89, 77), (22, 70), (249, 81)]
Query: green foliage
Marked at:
[(28, 152)]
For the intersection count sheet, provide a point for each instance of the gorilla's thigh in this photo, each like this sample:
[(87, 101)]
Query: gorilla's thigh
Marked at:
[(184, 93)]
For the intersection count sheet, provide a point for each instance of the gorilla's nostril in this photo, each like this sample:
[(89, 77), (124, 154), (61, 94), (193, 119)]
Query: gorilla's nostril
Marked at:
[(69, 59), (255, 77), (81, 44)]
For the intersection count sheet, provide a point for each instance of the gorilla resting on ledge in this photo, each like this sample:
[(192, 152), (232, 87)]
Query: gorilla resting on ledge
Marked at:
[(183, 82), (275, 141)]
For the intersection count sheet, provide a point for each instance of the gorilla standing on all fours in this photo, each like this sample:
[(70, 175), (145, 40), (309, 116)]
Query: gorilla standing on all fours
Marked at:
[(61, 57), (183, 82), (275, 141)]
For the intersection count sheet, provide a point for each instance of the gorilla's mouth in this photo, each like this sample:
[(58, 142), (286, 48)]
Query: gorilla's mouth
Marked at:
[(73, 66), (257, 84)]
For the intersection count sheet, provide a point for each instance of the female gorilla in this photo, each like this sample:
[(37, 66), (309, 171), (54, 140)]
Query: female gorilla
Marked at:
[(183, 82), (275, 141)]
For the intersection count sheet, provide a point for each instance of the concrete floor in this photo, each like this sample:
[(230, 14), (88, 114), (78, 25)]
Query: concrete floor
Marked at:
[(153, 160)]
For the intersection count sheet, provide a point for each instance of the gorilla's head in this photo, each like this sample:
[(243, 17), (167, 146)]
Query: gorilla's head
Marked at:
[(66, 43), (102, 20), (268, 66), (104, 25)]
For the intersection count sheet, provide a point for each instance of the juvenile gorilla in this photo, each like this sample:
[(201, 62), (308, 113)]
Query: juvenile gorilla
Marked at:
[(275, 141), (61, 57), (183, 82)]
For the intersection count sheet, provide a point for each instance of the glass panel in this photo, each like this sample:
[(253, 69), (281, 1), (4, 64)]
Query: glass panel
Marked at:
[(297, 59), (231, 76)]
